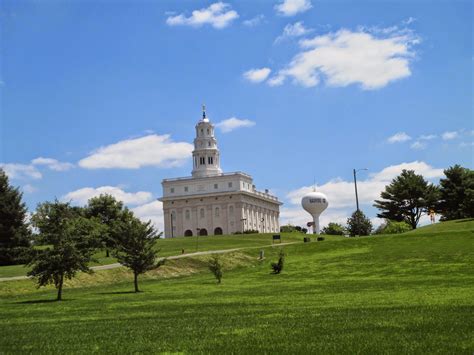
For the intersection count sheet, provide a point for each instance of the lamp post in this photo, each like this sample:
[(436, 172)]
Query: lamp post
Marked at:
[(357, 196)]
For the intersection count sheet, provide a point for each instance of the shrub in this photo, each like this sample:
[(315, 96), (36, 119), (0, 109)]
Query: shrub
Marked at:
[(251, 231), (320, 239), (278, 267), (215, 267), (393, 227), (334, 229)]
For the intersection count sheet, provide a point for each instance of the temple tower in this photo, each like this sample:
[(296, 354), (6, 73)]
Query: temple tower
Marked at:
[(206, 159)]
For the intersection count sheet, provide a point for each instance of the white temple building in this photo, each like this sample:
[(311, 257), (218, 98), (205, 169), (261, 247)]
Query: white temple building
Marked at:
[(211, 202)]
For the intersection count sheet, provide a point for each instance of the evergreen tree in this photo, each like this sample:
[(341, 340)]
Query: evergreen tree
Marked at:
[(358, 224), (108, 210), (215, 267), (456, 193), (135, 245), (406, 198), (14, 232), (71, 241)]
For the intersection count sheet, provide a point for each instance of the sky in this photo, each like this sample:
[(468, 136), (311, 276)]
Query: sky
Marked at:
[(102, 96)]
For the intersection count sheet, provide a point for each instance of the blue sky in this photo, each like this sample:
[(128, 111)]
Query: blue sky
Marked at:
[(89, 89)]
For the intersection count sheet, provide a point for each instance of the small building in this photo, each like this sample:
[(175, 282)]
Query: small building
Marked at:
[(211, 202)]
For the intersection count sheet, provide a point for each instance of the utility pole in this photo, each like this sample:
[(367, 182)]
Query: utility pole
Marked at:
[(354, 171)]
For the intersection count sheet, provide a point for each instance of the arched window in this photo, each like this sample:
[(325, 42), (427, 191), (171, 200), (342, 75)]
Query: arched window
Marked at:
[(201, 212), (218, 231), (188, 233), (217, 212)]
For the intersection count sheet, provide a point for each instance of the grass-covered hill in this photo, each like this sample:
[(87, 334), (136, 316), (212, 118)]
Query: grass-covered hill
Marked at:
[(409, 293)]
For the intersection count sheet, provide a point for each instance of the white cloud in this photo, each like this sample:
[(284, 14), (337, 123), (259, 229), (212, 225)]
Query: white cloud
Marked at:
[(21, 171), (340, 192), (255, 21), (29, 188), (218, 15), (152, 211), (292, 7), (399, 137), (257, 75), (232, 123), (151, 150), (277, 80), (81, 196), (371, 60), (293, 30), (52, 164), (427, 137), (449, 135), (418, 145)]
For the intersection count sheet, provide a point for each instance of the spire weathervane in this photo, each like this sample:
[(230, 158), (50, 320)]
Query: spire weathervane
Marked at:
[(203, 111)]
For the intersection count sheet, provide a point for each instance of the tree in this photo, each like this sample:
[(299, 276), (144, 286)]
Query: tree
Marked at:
[(135, 245), (334, 229), (108, 210), (71, 241), (215, 267), (406, 198), (456, 193), (359, 224), (14, 232), (393, 227)]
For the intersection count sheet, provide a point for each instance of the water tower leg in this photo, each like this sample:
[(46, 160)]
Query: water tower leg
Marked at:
[(316, 225)]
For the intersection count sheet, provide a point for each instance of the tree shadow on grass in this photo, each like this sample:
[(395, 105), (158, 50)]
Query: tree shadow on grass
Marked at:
[(465, 220), (42, 301), (118, 292)]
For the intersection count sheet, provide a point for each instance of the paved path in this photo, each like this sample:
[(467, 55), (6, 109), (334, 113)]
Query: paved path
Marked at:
[(173, 257)]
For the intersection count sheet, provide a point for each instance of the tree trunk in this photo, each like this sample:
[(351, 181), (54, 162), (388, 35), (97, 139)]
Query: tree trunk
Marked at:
[(60, 288), (136, 282), (107, 252)]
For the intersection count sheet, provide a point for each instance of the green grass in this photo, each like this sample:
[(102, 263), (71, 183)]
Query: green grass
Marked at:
[(410, 293), (174, 246)]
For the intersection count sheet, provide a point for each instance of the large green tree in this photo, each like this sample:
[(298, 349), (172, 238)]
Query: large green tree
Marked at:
[(135, 245), (14, 232), (71, 240), (456, 193), (109, 211), (358, 224), (406, 198)]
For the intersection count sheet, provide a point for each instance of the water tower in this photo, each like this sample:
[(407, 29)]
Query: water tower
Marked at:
[(315, 203)]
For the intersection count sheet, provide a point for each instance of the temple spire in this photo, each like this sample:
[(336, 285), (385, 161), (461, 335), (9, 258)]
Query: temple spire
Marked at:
[(203, 111)]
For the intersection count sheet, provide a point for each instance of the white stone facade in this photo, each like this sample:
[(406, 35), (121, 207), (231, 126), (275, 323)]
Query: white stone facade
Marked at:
[(211, 202)]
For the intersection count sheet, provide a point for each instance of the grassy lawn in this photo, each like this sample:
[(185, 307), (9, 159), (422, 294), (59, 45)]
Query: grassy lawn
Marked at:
[(410, 293), (174, 246)]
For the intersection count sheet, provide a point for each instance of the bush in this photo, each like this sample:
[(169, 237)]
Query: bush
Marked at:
[(393, 227), (278, 267), (215, 267), (251, 231), (334, 229), (320, 239), (287, 229)]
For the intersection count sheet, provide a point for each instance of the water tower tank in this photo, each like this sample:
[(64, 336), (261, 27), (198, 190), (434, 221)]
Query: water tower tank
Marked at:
[(315, 203)]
